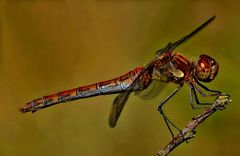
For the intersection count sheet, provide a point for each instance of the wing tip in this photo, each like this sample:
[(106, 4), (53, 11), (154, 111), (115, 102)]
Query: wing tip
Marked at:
[(112, 118), (112, 124), (214, 16)]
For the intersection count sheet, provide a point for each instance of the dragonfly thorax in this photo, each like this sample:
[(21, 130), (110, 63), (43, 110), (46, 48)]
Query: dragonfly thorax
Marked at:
[(206, 68), (167, 72)]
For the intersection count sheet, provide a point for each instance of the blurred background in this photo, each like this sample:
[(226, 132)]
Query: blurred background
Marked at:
[(52, 45)]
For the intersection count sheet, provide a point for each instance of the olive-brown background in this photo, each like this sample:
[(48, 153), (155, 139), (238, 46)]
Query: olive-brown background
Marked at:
[(51, 45)]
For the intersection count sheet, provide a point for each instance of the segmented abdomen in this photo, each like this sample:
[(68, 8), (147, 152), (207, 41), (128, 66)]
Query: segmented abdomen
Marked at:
[(116, 85)]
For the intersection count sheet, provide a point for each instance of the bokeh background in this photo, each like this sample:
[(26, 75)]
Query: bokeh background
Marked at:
[(51, 45)]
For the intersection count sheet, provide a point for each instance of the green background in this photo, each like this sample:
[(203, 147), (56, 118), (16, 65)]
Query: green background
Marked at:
[(53, 45)]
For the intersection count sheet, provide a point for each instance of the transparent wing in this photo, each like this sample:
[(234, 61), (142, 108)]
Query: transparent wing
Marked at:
[(172, 46), (120, 101), (152, 90), (117, 107)]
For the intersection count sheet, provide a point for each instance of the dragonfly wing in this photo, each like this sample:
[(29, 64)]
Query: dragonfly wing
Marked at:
[(118, 104), (172, 46), (152, 90), (122, 98)]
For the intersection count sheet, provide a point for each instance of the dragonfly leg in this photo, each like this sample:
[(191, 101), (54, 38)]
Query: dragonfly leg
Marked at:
[(194, 101), (167, 121), (213, 92)]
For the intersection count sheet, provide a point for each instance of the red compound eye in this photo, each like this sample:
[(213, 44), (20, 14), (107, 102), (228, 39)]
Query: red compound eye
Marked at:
[(206, 68)]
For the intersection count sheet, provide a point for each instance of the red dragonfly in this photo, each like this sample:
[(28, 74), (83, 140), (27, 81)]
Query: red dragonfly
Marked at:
[(167, 66)]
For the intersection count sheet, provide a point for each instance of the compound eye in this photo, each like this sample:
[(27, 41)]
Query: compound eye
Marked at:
[(204, 65), (206, 68)]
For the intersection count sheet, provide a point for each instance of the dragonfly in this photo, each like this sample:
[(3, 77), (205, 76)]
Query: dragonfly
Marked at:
[(167, 66)]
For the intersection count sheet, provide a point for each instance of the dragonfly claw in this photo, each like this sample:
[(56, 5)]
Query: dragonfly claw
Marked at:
[(221, 101)]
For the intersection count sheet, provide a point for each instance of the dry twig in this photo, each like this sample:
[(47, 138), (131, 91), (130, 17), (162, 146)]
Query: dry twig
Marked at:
[(189, 131)]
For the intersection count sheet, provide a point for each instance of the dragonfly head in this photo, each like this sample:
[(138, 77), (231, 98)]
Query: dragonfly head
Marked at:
[(206, 68)]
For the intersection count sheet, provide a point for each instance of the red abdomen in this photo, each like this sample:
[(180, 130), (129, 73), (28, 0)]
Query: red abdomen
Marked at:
[(112, 86)]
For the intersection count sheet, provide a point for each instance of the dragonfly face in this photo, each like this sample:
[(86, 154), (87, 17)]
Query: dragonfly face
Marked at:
[(206, 68)]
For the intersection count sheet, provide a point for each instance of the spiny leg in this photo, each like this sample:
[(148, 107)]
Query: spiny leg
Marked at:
[(167, 121), (194, 101), (214, 92)]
